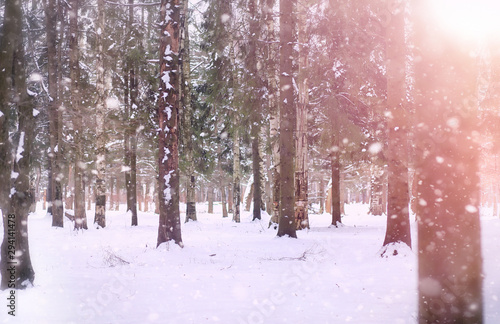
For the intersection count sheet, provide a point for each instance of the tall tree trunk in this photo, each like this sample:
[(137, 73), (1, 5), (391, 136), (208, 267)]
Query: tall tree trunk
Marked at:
[(133, 178), (236, 169), (255, 112), (130, 141), (398, 197), (77, 115), (274, 121), (100, 184), (169, 227), (301, 161), (188, 112), (55, 117), (287, 224), (15, 264), (449, 242)]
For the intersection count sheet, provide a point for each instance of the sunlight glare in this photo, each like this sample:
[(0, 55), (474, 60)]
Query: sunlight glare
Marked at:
[(468, 19)]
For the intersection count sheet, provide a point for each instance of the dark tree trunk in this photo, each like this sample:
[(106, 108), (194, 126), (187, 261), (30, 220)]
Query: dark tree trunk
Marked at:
[(15, 264), (398, 197), (55, 196), (336, 201), (255, 112), (257, 193), (449, 242), (77, 115), (169, 226), (132, 195), (286, 225)]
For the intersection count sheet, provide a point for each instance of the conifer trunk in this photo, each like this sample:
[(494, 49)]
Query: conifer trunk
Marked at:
[(287, 224), (236, 170), (188, 112), (100, 184), (336, 210), (79, 168), (169, 226), (398, 197), (55, 117), (15, 251), (274, 121), (301, 162)]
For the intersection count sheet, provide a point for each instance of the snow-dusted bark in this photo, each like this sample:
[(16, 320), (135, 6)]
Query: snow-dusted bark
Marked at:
[(287, 224), (74, 53), (169, 226), (301, 160), (188, 112), (236, 170), (274, 121), (102, 94), (55, 116), (447, 137), (15, 264)]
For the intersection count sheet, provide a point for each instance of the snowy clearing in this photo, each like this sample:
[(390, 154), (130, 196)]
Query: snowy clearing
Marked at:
[(228, 273)]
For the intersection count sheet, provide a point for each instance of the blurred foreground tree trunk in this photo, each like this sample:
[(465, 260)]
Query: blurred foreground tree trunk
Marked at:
[(398, 196), (447, 139), (15, 196)]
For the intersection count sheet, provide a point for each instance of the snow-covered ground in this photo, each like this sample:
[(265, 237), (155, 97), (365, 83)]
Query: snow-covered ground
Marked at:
[(228, 273)]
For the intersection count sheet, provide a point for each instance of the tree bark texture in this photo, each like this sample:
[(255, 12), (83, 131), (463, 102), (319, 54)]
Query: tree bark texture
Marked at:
[(55, 117), (15, 196), (301, 146), (188, 112), (336, 201), (286, 225), (77, 115), (102, 94), (169, 226)]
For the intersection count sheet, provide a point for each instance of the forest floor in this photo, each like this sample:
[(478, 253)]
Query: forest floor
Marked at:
[(228, 273)]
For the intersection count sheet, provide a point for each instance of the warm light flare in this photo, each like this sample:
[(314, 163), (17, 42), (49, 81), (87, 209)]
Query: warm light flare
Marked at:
[(468, 19)]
